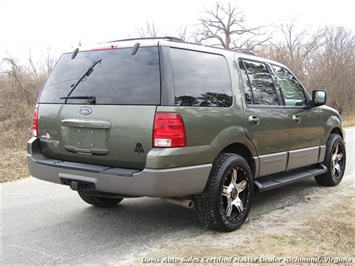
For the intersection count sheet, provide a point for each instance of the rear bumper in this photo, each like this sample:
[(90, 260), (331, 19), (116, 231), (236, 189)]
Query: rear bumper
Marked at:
[(172, 182)]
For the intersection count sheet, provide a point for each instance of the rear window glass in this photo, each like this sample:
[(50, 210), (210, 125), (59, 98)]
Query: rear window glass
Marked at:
[(201, 79), (117, 77)]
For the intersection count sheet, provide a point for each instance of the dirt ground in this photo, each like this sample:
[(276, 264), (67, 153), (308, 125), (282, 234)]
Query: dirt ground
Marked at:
[(320, 230), (13, 164)]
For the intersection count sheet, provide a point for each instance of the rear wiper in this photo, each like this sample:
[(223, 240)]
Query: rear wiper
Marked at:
[(91, 99), (86, 74)]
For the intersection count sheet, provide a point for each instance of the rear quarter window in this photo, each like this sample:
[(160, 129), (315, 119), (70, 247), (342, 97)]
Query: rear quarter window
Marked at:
[(201, 79)]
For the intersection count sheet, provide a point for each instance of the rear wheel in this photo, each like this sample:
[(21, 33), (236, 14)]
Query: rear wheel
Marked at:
[(103, 202), (334, 160), (226, 201)]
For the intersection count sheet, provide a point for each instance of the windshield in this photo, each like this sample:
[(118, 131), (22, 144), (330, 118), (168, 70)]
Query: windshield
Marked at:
[(119, 77)]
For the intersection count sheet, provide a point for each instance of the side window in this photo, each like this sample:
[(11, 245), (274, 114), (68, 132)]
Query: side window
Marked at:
[(291, 89), (260, 84), (201, 79), (246, 84)]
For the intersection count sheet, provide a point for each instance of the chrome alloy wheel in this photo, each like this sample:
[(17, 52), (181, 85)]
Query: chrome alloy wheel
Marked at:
[(233, 193), (337, 163), (334, 160)]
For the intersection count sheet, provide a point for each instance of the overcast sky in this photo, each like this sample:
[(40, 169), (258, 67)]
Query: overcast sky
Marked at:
[(62, 24)]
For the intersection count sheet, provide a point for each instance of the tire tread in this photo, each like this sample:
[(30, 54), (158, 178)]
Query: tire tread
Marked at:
[(327, 179), (99, 201), (207, 210)]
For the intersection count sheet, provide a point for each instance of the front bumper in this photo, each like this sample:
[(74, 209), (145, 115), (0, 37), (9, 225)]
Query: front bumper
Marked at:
[(172, 182)]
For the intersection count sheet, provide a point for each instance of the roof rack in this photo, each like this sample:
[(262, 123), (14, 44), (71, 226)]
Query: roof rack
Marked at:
[(245, 52), (170, 38)]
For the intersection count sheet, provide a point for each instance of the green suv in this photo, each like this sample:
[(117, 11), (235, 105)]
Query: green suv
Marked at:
[(197, 126)]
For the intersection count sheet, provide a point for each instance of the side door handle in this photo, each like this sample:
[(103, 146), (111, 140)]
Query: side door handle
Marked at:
[(254, 120), (296, 119)]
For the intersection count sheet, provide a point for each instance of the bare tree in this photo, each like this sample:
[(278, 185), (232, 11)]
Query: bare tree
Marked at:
[(33, 67), (150, 30), (23, 80), (300, 45), (334, 68), (296, 48), (20, 84), (322, 59), (49, 59), (226, 26), (182, 33)]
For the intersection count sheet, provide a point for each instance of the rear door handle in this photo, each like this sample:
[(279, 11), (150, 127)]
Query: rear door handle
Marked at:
[(296, 119), (254, 120)]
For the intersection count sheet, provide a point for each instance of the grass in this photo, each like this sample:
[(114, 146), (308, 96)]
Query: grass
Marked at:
[(15, 130), (349, 121), (325, 235), (13, 165)]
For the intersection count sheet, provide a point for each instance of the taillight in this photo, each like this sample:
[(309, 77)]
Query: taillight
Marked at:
[(35, 122), (169, 130)]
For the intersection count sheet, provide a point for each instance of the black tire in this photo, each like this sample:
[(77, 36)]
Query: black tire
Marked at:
[(96, 201), (334, 160), (226, 201)]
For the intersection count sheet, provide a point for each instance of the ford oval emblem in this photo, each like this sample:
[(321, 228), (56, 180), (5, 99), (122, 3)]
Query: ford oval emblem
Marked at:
[(85, 110)]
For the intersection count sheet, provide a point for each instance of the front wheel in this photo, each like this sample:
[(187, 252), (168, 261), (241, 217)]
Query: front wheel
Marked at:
[(334, 160), (226, 201), (103, 202)]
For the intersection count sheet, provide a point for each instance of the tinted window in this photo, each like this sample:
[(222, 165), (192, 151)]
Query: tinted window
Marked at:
[(261, 84), (246, 84), (120, 77), (201, 79), (292, 90)]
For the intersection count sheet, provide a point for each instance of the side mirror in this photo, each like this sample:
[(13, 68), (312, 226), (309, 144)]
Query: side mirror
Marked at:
[(319, 97)]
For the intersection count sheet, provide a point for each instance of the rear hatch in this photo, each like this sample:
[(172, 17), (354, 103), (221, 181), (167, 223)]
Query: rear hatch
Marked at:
[(98, 106)]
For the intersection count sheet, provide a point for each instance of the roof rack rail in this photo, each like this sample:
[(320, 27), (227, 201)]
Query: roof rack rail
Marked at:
[(170, 38), (245, 52)]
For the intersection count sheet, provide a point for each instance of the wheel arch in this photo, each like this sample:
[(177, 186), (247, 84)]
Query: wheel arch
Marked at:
[(333, 123), (337, 131), (242, 150)]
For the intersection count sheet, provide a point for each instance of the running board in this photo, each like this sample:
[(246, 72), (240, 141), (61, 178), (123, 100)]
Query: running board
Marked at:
[(279, 180)]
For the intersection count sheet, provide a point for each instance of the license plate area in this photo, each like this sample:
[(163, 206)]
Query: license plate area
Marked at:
[(83, 136)]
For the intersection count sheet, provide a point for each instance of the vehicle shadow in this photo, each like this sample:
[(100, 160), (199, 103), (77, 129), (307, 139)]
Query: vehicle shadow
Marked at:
[(151, 216), (283, 197)]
